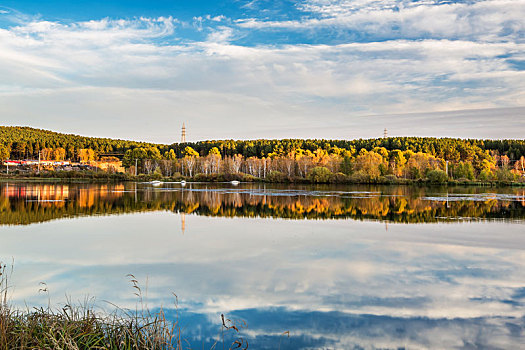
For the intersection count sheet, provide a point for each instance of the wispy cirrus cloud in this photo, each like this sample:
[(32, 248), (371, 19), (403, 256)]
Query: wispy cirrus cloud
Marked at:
[(486, 20)]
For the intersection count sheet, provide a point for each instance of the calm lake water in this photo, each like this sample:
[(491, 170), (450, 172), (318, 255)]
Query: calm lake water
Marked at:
[(337, 267)]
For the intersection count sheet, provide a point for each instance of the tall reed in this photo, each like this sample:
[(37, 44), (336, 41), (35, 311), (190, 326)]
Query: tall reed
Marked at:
[(78, 327)]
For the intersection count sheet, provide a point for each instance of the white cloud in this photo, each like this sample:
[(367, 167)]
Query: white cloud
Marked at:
[(44, 65), (221, 34), (487, 20), (218, 18)]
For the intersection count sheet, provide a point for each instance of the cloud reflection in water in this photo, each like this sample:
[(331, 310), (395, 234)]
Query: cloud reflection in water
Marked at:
[(331, 283)]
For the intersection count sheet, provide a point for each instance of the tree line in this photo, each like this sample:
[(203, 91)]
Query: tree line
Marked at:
[(316, 159), (27, 143)]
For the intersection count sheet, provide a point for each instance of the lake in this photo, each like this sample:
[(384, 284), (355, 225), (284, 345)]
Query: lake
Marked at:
[(337, 267)]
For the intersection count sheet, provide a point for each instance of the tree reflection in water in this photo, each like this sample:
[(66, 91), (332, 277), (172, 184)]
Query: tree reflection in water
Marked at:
[(26, 203)]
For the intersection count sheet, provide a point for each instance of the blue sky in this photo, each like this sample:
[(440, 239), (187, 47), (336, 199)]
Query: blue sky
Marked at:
[(264, 69)]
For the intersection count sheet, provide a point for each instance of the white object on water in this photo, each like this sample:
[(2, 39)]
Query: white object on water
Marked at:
[(235, 182), (183, 183), (156, 183)]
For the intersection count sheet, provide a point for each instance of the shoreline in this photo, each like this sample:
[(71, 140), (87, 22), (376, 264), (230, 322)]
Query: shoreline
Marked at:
[(67, 177)]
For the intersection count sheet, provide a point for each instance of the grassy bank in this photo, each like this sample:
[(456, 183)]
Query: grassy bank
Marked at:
[(339, 178), (81, 327), (76, 327)]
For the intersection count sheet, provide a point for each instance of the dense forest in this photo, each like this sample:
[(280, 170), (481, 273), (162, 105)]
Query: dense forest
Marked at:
[(318, 160), (26, 143)]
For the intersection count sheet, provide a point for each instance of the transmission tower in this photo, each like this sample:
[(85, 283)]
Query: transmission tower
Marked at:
[(183, 135)]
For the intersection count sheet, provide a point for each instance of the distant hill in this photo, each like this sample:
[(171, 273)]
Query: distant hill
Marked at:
[(26, 142)]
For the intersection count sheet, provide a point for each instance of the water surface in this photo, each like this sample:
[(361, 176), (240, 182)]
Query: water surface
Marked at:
[(336, 266)]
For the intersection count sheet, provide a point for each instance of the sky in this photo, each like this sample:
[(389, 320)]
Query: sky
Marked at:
[(240, 69)]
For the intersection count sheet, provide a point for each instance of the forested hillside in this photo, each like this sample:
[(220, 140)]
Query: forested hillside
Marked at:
[(25, 143), (409, 157), (447, 148)]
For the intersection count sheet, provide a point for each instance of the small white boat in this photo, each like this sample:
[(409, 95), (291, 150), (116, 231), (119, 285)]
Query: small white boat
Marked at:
[(183, 183), (235, 182), (155, 183)]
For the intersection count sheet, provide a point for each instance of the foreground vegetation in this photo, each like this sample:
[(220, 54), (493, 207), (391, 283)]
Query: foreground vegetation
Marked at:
[(385, 160), (81, 327)]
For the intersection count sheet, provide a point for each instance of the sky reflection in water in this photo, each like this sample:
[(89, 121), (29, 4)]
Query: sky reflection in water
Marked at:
[(367, 279)]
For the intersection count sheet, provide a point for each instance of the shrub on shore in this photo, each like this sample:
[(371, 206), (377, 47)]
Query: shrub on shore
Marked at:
[(320, 174), (437, 176), (276, 176)]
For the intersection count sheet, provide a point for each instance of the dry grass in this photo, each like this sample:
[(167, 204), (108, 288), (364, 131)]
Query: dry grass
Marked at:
[(80, 327)]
